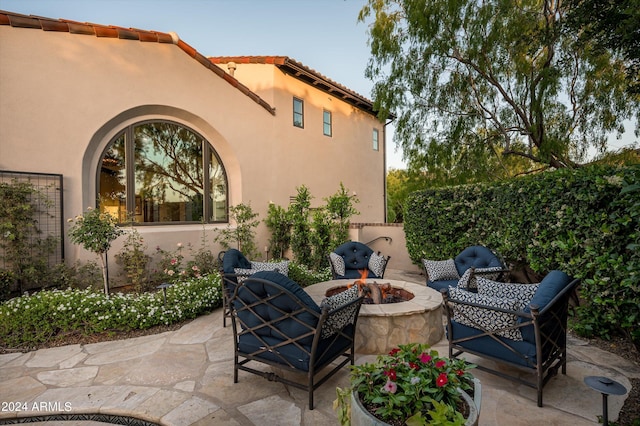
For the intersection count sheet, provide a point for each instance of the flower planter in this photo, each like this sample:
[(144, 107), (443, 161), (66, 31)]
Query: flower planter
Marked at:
[(361, 417)]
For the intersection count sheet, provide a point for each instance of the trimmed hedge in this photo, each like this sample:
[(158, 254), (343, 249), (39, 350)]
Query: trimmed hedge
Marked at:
[(585, 222)]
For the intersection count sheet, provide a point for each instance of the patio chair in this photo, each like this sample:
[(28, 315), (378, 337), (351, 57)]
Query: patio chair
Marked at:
[(276, 322), (236, 267), (462, 271), (348, 261), (520, 325)]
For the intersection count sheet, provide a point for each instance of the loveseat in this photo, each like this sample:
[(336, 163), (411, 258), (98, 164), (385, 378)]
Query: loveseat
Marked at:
[(463, 269), (521, 325)]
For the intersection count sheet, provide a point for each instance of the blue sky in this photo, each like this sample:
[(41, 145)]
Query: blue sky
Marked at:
[(322, 34)]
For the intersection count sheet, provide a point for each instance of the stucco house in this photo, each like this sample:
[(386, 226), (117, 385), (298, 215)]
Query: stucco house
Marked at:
[(155, 128)]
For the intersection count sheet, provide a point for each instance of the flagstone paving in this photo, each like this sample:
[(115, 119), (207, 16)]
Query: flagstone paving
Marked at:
[(185, 378)]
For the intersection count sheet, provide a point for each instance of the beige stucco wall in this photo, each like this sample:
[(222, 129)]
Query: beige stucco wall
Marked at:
[(64, 96)]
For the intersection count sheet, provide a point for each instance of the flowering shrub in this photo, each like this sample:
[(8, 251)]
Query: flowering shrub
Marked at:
[(411, 383), (170, 264), (28, 321)]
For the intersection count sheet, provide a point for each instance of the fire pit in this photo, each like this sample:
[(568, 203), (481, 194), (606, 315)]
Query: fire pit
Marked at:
[(374, 293), (383, 326)]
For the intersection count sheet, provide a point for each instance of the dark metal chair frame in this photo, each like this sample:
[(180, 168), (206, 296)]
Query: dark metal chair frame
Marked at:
[(550, 330), (240, 328)]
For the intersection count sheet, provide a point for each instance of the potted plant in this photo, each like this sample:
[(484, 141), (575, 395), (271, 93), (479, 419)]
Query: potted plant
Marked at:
[(411, 385)]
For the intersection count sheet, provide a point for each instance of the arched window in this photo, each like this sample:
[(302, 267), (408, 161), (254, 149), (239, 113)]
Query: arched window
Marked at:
[(162, 172)]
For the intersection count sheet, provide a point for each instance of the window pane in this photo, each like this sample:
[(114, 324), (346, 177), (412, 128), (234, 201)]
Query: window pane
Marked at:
[(326, 118), (113, 180), (298, 113), (168, 173), (218, 185), (376, 143)]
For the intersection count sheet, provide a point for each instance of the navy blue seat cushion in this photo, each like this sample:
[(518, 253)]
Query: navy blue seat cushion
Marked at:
[(298, 357), (552, 284), (356, 258), (440, 284), (288, 327), (234, 259), (478, 257), (489, 346)]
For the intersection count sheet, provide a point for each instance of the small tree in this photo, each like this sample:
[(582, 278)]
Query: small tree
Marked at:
[(279, 223), (301, 231), (340, 208), (95, 231), (243, 233)]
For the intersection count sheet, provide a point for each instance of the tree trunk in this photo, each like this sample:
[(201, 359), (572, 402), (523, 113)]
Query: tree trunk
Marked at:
[(105, 276)]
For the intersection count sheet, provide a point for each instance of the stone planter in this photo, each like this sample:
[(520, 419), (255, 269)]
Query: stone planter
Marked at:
[(361, 417)]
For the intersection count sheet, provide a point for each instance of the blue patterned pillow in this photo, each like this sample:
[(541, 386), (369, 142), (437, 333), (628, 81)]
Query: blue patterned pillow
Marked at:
[(487, 319), (377, 263), (441, 269), (338, 263), (523, 293), (335, 323)]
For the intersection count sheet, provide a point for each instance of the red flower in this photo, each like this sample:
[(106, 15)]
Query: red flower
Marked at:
[(414, 366), (459, 372), (394, 351), (441, 380), (441, 364), (425, 358), (391, 374)]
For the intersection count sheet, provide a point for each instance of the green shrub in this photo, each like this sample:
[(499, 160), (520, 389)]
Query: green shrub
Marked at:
[(585, 222), (31, 320), (305, 276)]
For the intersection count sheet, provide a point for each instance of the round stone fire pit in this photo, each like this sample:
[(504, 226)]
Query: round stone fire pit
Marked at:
[(382, 327)]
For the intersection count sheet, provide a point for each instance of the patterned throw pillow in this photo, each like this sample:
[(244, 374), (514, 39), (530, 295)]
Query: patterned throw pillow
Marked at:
[(338, 263), (467, 280), (282, 267), (337, 322), (488, 319), (486, 272), (377, 263), (441, 269), (523, 293)]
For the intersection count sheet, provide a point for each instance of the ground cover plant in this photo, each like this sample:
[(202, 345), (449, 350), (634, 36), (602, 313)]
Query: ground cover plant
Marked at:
[(28, 321)]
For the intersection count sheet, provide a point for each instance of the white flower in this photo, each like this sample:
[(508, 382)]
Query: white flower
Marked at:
[(170, 272), (179, 245)]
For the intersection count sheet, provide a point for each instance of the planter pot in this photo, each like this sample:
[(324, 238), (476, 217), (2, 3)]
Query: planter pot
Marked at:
[(361, 417)]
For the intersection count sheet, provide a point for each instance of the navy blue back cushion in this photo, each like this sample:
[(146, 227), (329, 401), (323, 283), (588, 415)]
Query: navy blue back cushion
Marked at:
[(478, 257), (549, 287), (288, 327), (355, 254), (234, 259)]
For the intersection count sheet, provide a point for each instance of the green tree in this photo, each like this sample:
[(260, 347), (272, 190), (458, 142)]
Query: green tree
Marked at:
[(340, 208), (613, 25), (243, 233), (489, 79), (279, 224), (299, 212), (95, 231)]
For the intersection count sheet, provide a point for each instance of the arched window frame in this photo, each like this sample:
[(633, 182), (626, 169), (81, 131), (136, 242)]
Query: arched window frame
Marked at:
[(130, 196)]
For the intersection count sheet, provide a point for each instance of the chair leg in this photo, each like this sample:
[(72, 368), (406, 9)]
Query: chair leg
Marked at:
[(311, 390)]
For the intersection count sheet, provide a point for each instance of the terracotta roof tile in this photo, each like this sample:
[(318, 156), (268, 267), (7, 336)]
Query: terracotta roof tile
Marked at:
[(73, 27)]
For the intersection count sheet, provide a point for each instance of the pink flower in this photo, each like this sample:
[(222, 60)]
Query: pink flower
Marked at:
[(425, 358), (390, 387), (174, 261), (441, 380), (441, 364), (194, 267)]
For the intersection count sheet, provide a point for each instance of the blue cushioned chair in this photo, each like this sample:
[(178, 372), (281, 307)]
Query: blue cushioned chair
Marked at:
[(356, 257), (542, 324), (229, 260), (276, 322), (472, 257)]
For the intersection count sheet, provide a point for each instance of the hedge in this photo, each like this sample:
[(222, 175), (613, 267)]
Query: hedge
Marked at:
[(585, 222)]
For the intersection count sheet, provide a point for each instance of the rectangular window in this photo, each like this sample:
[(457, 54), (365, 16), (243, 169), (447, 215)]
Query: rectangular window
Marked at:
[(376, 140), (326, 123), (298, 113)]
